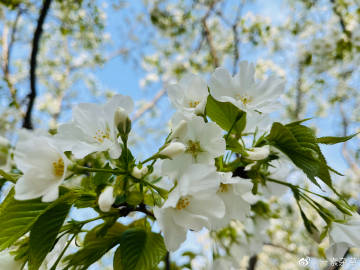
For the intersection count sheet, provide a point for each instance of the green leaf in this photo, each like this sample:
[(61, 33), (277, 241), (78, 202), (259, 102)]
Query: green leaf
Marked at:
[(17, 218), (335, 140), (299, 143), (226, 115), (45, 230), (139, 250), (95, 246), (304, 157)]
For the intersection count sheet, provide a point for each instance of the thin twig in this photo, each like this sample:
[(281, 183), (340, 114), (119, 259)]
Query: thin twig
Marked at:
[(299, 92), (208, 36), (7, 49), (341, 18), (167, 261), (236, 36), (150, 105), (252, 262), (33, 63)]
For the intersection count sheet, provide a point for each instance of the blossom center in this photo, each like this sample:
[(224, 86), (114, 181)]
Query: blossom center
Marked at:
[(183, 203), (101, 135), (58, 167), (193, 104), (224, 187), (244, 99), (193, 147)]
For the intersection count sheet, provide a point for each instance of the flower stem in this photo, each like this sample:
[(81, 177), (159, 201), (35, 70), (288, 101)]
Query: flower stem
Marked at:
[(79, 168)]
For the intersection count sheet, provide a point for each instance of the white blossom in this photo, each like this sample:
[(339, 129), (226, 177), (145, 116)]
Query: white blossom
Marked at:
[(8, 262), (344, 236), (44, 168), (189, 95), (232, 191), (243, 91), (203, 142), (192, 204), (93, 128)]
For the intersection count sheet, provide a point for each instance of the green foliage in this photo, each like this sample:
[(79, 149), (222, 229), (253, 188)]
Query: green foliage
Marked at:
[(17, 218), (139, 250), (45, 230), (299, 143), (226, 115), (335, 140), (95, 246)]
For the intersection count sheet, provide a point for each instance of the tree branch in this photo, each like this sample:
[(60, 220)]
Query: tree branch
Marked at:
[(7, 48), (299, 92), (341, 18), (207, 34), (33, 63), (167, 261), (236, 37), (149, 105), (252, 262)]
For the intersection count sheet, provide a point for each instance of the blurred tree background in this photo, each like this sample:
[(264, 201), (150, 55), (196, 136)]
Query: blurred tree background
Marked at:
[(89, 50)]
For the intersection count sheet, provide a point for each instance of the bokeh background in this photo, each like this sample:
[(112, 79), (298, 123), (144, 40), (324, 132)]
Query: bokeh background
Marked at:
[(91, 50)]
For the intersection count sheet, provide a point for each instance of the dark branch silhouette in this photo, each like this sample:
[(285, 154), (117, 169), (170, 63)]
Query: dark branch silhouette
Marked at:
[(35, 48)]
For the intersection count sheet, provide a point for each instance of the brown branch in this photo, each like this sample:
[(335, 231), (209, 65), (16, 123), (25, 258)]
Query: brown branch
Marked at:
[(281, 247), (341, 18), (7, 49), (208, 36), (299, 92), (252, 262), (167, 261), (33, 63), (149, 105), (236, 37), (338, 264)]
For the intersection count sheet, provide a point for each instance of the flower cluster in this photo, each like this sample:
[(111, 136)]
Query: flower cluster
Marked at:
[(202, 195), (207, 174)]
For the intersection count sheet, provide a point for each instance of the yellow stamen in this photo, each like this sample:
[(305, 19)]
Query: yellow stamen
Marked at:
[(193, 148), (100, 135), (244, 99), (183, 203), (58, 167), (224, 187), (193, 104)]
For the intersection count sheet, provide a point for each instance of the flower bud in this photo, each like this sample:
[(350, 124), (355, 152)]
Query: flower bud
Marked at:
[(179, 130), (259, 153), (106, 199), (139, 173), (122, 121), (173, 149)]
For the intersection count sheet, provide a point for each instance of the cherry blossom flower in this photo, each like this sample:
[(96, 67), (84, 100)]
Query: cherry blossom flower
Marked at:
[(203, 142), (344, 236), (190, 205), (189, 95), (44, 168), (93, 128), (232, 191), (243, 91)]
